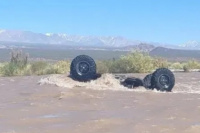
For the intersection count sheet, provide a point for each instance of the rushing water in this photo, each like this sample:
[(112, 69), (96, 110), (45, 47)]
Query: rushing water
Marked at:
[(109, 82), (60, 104)]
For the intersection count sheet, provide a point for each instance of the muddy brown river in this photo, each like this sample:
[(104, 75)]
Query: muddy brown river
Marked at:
[(57, 104)]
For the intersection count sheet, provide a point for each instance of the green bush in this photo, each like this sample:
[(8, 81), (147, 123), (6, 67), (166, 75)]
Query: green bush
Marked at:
[(160, 63), (176, 65), (16, 66), (12, 69), (41, 67), (120, 66), (1, 68), (103, 66), (38, 66), (193, 64), (35, 68), (9, 69), (185, 68), (135, 62), (61, 67), (138, 62)]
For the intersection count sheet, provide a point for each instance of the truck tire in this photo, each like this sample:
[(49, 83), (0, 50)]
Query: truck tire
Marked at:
[(148, 82), (83, 68), (163, 79), (132, 82)]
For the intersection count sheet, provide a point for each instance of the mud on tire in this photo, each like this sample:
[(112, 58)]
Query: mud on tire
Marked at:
[(147, 82), (83, 68), (163, 79)]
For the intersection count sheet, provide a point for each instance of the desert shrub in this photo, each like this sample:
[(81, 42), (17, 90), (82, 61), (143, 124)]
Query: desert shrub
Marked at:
[(160, 63), (39, 67), (34, 68), (16, 66), (26, 70), (120, 66), (185, 68), (134, 62), (9, 69), (193, 64), (43, 68), (61, 67), (18, 58), (139, 62), (1, 68), (176, 65), (103, 66)]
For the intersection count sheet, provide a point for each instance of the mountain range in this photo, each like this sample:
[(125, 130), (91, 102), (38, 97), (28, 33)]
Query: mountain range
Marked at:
[(193, 45), (11, 38), (63, 39)]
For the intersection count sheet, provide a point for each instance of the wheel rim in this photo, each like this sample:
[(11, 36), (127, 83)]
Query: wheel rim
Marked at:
[(82, 68), (164, 81)]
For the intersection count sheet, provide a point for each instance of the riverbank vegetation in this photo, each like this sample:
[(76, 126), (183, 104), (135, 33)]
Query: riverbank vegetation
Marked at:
[(135, 62)]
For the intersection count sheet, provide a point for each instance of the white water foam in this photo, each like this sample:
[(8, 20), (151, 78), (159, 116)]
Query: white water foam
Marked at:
[(187, 88), (105, 82), (108, 82)]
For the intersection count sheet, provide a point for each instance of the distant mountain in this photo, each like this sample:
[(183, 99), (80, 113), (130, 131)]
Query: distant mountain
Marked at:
[(190, 45), (28, 39), (63, 39), (175, 54), (140, 47)]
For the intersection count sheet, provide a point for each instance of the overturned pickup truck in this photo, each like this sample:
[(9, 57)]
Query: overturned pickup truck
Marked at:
[(83, 69)]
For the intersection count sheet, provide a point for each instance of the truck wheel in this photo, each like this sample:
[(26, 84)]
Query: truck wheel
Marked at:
[(83, 68), (148, 82), (163, 79)]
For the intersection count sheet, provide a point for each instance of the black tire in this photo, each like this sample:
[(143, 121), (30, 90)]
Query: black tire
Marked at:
[(147, 82), (83, 68), (163, 79)]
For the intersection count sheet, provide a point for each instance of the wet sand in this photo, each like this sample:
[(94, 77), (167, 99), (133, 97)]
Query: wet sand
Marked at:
[(101, 106)]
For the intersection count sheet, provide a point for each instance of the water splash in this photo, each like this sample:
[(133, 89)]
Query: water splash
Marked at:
[(105, 82), (109, 82)]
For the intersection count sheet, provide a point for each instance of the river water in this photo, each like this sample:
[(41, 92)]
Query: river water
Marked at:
[(57, 104)]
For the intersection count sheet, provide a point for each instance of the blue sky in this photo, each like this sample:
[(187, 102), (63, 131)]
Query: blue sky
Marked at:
[(164, 21)]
